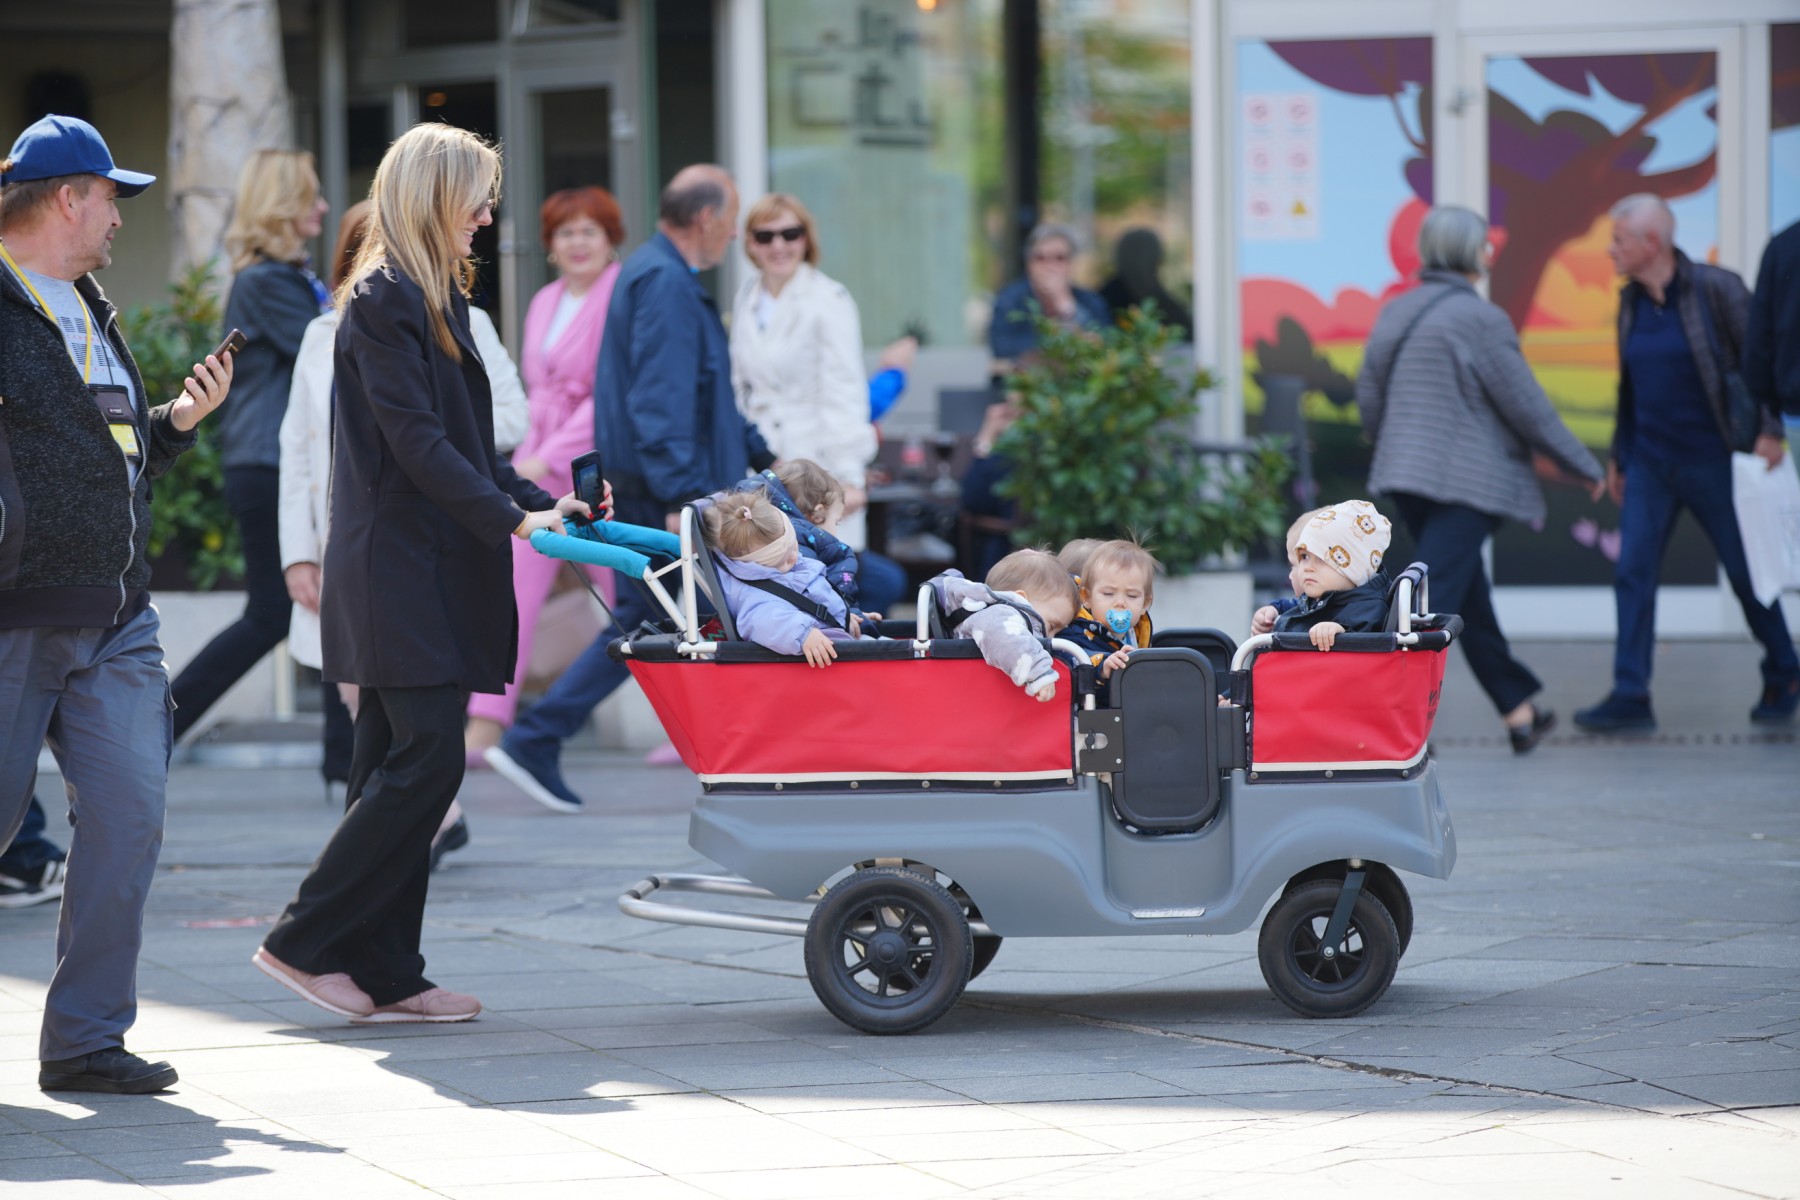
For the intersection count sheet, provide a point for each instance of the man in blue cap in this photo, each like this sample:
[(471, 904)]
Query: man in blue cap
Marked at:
[(80, 660)]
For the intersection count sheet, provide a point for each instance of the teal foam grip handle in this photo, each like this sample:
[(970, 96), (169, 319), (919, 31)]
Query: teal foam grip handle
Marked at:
[(592, 551)]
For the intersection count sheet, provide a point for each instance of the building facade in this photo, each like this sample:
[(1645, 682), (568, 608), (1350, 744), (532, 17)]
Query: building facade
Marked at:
[(1279, 152)]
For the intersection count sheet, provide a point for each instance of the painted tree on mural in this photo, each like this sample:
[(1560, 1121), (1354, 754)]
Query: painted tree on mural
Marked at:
[(1551, 179)]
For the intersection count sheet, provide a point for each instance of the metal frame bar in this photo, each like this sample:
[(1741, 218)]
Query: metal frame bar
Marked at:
[(635, 901), (1340, 916)]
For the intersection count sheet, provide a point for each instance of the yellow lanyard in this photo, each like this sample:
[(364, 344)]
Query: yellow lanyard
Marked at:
[(87, 368)]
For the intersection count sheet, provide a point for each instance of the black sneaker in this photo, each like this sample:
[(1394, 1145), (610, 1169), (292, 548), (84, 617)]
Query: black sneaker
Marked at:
[(1778, 703), (1617, 714), (23, 893), (113, 1069), (453, 838)]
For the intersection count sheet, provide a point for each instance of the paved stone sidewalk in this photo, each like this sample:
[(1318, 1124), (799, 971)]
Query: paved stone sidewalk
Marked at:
[(1603, 1000)]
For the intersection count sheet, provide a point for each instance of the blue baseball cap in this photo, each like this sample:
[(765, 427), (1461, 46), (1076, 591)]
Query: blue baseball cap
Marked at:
[(69, 146)]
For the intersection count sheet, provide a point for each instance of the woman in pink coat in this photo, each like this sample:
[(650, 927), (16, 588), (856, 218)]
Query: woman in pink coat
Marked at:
[(582, 229)]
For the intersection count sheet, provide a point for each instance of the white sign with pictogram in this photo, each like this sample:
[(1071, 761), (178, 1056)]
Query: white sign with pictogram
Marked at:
[(1280, 140)]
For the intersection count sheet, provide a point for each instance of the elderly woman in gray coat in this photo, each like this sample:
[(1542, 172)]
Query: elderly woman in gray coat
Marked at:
[(1455, 415)]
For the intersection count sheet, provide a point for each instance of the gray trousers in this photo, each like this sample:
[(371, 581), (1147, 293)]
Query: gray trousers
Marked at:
[(100, 697)]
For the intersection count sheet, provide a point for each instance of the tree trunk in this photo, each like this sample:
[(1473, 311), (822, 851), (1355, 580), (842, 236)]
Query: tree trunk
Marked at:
[(227, 98)]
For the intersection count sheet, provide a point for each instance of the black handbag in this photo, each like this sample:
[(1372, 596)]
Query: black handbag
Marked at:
[(1743, 415)]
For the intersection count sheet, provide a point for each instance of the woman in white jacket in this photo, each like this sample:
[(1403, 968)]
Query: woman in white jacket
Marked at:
[(306, 475), (797, 353)]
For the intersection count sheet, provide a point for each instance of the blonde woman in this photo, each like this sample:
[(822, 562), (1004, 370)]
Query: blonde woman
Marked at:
[(416, 606), (274, 296), (797, 353)]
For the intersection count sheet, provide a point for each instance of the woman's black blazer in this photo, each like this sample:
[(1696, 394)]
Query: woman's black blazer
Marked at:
[(417, 587)]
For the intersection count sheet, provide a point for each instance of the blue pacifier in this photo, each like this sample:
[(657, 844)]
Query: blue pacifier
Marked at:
[(1119, 619)]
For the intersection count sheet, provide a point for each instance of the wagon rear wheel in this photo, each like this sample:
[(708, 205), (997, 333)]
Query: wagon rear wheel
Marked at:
[(1316, 980), (888, 950)]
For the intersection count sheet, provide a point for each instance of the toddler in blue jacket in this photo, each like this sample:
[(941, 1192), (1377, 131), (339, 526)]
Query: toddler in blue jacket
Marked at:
[(777, 598)]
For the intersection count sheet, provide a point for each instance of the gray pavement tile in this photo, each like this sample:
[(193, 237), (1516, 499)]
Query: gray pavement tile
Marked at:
[(919, 1119), (186, 1135), (14, 1146), (1013, 1176), (839, 1097), (57, 1170), (824, 1183), (528, 1078), (652, 1187), (1738, 1089), (1289, 1077), (984, 1146), (833, 1069), (1107, 1085), (688, 1033), (39, 1112), (520, 1171), (1653, 1063), (754, 1143), (1645, 1097)]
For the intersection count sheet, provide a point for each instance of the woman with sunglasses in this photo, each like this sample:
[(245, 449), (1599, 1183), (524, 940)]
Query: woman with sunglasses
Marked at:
[(797, 353)]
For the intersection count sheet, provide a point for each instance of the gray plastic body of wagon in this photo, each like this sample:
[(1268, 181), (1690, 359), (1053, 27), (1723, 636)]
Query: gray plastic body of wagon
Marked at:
[(1056, 863)]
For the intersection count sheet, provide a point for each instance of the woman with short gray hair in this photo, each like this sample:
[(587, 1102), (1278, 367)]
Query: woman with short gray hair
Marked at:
[(1045, 290), (1455, 416)]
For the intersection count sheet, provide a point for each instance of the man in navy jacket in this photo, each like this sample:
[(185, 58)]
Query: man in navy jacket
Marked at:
[(669, 427), (1772, 338)]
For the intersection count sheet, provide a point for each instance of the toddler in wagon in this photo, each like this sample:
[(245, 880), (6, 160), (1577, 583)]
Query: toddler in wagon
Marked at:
[(778, 599), (1338, 555), (1263, 619), (1118, 581), (813, 500), (1028, 596)]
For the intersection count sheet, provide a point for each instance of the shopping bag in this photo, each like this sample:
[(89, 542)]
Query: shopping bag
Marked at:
[(1768, 513)]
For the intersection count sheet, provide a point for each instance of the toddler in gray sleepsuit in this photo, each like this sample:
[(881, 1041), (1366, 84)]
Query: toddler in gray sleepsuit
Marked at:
[(1028, 596)]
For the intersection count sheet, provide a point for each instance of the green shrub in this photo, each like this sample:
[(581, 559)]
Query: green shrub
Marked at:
[(191, 520), (1103, 448)]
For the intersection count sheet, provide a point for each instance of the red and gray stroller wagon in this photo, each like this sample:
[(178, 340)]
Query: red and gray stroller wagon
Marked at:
[(931, 809)]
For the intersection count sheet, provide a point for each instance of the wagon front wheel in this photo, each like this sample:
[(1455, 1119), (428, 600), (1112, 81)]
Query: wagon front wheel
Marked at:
[(888, 950), (1316, 980)]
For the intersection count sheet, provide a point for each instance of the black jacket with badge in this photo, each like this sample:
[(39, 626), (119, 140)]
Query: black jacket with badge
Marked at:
[(73, 523), (1362, 609), (417, 583)]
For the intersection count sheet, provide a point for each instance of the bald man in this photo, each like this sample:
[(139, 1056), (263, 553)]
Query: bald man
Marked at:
[(1681, 330), (669, 429)]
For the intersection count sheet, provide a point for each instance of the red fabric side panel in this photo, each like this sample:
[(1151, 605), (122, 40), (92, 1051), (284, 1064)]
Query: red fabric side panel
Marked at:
[(916, 718), (1309, 707)]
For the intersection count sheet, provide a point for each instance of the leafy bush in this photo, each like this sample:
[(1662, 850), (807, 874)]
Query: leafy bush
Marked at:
[(191, 520), (1103, 448)]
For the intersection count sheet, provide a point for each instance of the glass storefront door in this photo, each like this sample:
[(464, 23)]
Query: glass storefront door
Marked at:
[(1568, 135), (570, 128)]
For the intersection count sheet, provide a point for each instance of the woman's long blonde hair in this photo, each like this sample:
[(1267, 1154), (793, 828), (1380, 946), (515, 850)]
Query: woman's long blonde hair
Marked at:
[(274, 190), (429, 182)]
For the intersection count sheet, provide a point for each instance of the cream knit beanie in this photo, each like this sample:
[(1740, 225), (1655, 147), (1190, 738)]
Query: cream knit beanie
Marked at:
[(1351, 536)]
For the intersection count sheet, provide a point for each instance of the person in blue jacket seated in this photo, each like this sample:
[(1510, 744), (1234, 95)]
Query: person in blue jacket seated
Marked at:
[(779, 599), (1046, 290), (1339, 553)]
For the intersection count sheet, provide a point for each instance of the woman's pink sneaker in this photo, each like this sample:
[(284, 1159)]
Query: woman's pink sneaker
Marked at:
[(664, 755), (434, 1005)]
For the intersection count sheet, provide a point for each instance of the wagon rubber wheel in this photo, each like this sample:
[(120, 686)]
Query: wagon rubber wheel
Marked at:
[(1387, 888), (888, 950), (1298, 968)]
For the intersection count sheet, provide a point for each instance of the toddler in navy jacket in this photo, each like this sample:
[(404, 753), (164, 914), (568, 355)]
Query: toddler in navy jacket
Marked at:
[(1338, 557)]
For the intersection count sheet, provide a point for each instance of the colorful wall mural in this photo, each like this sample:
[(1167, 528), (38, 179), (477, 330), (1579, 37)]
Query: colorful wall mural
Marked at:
[(1567, 138)]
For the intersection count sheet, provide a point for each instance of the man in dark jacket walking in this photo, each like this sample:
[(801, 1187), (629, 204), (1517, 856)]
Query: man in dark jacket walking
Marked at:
[(669, 427), (80, 661), (1681, 328), (1772, 339)]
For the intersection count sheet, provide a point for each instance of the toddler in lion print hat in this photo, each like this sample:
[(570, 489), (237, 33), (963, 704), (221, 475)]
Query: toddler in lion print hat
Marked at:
[(1342, 589)]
